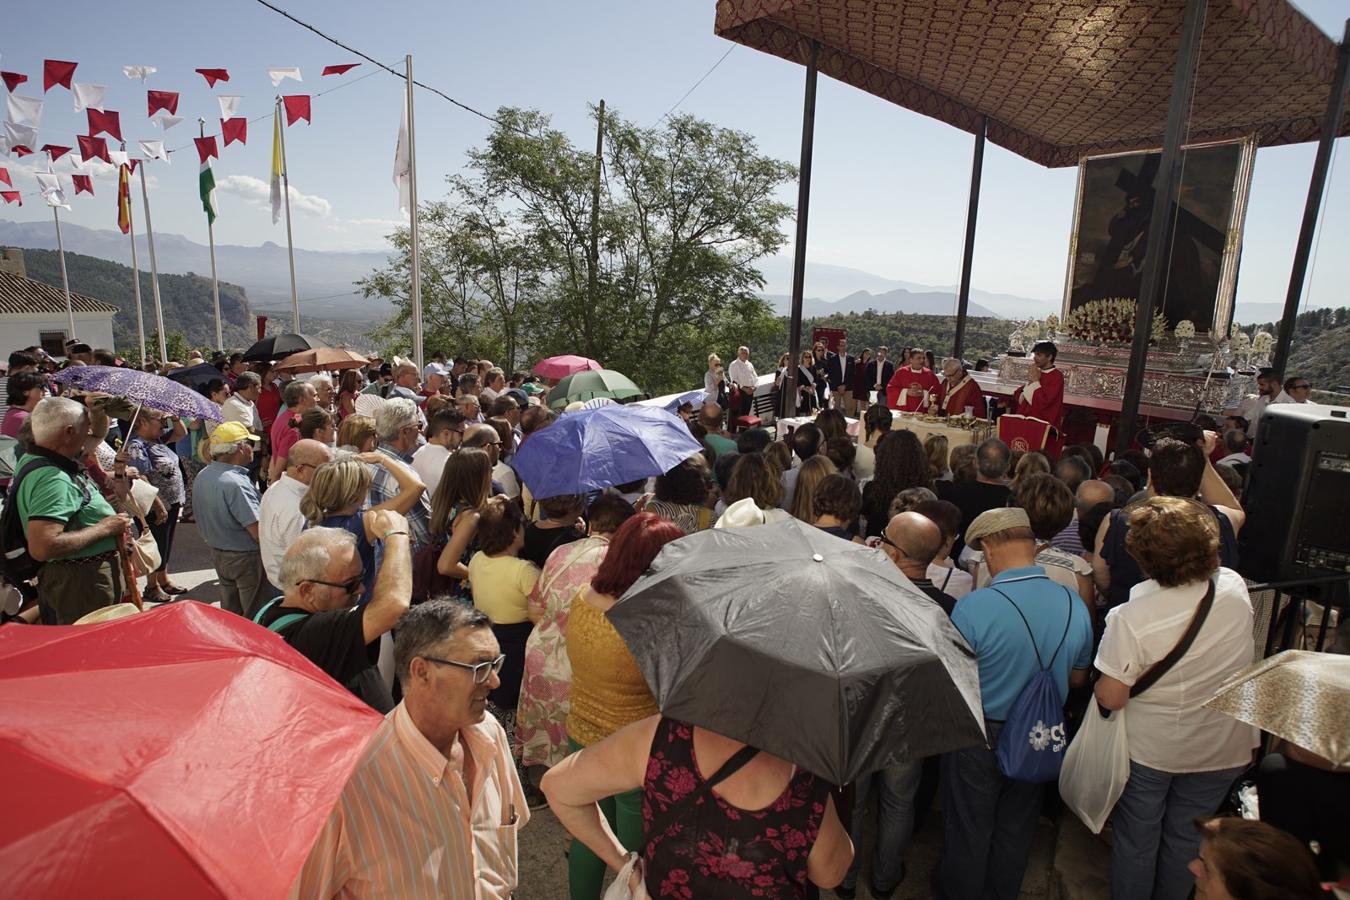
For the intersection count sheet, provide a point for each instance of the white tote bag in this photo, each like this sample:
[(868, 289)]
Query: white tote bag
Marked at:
[(619, 889), (1096, 767)]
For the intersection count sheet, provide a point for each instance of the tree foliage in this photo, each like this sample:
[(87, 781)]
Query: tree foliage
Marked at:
[(507, 269)]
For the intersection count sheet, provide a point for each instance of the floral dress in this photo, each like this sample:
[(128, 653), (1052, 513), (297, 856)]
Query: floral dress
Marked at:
[(541, 716), (716, 849)]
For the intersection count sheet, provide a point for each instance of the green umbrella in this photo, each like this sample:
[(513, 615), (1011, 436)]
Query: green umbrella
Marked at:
[(592, 383)]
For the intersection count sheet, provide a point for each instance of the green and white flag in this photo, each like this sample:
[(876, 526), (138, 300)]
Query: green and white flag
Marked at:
[(207, 182)]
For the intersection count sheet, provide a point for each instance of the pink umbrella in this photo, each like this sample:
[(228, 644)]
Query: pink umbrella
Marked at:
[(562, 366)]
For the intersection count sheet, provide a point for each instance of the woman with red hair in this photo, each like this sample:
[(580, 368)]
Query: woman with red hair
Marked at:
[(608, 690)]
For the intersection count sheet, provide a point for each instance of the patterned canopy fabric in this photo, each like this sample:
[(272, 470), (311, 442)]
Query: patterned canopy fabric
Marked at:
[(1060, 81)]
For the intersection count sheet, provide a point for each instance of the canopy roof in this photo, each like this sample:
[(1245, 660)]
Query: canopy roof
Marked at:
[(1061, 80)]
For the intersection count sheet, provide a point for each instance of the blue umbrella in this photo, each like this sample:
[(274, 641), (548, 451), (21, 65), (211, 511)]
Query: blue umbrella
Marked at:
[(693, 398), (141, 388), (595, 448)]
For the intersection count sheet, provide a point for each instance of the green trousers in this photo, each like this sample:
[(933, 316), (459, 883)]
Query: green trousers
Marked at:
[(585, 870)]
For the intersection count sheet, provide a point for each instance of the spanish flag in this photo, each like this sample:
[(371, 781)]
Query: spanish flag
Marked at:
[(123, 198), (276, 164)]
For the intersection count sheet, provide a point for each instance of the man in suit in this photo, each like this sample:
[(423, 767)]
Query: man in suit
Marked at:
[(879, 374), (839, 371)]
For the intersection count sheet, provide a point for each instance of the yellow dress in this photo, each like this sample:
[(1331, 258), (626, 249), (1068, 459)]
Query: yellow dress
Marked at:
[(608, 690)]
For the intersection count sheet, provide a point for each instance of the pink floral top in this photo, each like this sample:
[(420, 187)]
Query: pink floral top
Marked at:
[(716, 849)]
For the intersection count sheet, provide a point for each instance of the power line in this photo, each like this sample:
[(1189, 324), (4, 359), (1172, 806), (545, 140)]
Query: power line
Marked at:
[(696, 84)]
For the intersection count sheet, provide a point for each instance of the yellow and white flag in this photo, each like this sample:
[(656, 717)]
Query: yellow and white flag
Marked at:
[(276, 166)]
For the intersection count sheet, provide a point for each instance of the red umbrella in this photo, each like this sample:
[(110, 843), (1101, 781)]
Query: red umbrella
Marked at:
[(562, 366), (321, 359), (183, 752)]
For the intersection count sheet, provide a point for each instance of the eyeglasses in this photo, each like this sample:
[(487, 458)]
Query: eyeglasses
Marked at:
[(350, 586), (888, 541), (480, 670), (1302, 387)]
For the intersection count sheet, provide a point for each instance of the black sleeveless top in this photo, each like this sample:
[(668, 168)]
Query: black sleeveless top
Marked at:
[(1125, 572)]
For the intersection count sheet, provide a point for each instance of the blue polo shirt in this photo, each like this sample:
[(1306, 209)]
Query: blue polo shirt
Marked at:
[(225, 503), (1000, 640)]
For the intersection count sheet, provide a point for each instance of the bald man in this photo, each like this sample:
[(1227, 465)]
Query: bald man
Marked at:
[(912, 542), (279, 518), (1089, 494)]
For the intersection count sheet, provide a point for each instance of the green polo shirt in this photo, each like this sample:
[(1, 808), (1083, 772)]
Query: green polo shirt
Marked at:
[(721, 445), (56, 493)]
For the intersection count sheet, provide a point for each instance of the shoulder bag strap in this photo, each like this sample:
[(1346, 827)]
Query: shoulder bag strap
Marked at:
[(729, 768), (1025, 624), (1162, 666)]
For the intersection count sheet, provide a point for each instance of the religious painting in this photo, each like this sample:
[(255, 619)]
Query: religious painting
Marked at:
[(1111, 223)]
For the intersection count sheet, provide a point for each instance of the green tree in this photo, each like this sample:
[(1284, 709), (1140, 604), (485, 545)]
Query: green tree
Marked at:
[(176, 343)]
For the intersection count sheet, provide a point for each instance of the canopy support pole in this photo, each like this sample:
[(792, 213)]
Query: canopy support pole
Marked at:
[(968, 252), (415, 288), (1166, 185), (789, 386), (1330, 122)]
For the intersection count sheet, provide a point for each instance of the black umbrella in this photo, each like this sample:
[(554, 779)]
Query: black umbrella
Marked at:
[(278, 345), (811, 648), (195, 376)]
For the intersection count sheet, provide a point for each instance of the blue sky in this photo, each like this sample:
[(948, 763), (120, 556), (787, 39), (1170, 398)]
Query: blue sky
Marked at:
[(889, 187)]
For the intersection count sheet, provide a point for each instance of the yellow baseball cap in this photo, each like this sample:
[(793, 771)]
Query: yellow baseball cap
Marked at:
[(231, 433)]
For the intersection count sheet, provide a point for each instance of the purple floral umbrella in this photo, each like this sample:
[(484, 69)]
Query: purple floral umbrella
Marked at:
[(141, 388)]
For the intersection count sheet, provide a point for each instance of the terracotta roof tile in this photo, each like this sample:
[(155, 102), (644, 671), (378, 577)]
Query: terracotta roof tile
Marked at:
[(24, 296)]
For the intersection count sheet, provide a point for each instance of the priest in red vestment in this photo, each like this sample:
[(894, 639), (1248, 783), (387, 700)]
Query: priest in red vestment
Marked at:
[(957, 391), (1042, 397), (912, 387)]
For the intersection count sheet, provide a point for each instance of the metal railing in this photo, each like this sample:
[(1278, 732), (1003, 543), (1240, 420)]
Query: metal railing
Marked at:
[(1288, 612)]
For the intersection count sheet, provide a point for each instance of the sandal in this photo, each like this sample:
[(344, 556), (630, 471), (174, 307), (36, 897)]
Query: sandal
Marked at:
[(173, 589), (155, 595)]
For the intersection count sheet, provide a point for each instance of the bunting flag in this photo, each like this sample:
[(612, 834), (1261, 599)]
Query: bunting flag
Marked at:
[(235, 129), (118, 157), (213, 75), (229, 105), (4, 176), (165, 121), (88, 96), (280, 75), (124, 199), (55, 151), (12, 197), (55, 71), (141, 72), (101, 122), (154, 150), (84, 184), (22, 138), (165, 100), (13, 79), (403, 164), (207, 184), (93, 148), (50, 186), (338, 70), (206, 148), (133, 163), (24, 110), (297, 107), (276, 165)]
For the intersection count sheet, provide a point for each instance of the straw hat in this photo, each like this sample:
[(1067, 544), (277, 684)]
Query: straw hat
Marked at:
[(992, 521), (108, 614)]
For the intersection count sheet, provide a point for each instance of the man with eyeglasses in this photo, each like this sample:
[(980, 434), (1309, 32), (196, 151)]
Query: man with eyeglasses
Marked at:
[(444, 434), (435, 807), (1296, 390), (279, 519), (321, 576)]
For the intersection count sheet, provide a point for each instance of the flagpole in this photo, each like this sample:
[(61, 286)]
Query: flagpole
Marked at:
[(412, 223), (286, 195), (65, 281), (135, 275), (211, 238), (154, 271)]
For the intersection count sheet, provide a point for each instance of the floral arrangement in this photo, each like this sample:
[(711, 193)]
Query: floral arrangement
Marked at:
[(1109, 322), (1241, 341), (1263, 343), (1185, 329), (1051, 322)]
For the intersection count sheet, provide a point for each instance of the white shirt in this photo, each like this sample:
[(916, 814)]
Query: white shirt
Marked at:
[(1233, 459), (506, 477), (279, 523), (429, 462), (1060, 566), (1168, 727), (951, 581), (742, 373), (486, 396), (237, 409), (1251, 409)]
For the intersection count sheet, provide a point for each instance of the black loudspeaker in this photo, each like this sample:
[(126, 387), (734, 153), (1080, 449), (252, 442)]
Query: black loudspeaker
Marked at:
[(1298, 494)]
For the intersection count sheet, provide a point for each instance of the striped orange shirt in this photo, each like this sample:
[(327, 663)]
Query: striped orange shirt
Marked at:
[(405, 826)]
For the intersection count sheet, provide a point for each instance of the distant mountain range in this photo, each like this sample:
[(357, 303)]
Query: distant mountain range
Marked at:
[(324, 279)]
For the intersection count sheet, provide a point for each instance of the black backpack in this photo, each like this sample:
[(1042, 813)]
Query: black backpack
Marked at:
[(16, 564)]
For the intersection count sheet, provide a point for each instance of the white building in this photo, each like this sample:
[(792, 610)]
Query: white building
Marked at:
[(35, 313)]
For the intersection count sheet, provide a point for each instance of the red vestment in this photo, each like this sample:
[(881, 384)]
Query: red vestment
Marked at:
[(1046, 402), (915, 384), (965, 394)]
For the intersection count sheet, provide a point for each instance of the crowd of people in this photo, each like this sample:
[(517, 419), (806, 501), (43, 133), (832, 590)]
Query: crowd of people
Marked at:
[(372, 519)]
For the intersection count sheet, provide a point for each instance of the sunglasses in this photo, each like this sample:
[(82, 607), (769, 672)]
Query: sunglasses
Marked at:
[(350, 586), (1302, 387), (480, 670)]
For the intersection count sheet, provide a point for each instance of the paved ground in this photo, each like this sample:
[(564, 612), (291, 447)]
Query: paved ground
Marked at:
[(1067, 864)]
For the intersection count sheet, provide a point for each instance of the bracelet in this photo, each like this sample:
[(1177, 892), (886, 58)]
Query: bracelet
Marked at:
[(388, 533)]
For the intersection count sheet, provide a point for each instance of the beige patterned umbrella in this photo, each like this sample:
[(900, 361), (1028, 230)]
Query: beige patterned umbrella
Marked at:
[(1299, 695)]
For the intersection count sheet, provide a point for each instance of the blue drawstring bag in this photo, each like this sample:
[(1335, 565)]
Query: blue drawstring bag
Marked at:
[(1032, 743)]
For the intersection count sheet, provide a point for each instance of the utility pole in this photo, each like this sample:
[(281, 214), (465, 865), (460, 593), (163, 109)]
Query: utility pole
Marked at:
[(592, 285)]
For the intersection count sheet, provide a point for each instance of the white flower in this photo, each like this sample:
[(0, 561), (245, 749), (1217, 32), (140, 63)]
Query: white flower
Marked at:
[(1040, 736), (1241, 341), (1185, 329), (1263, 342)]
